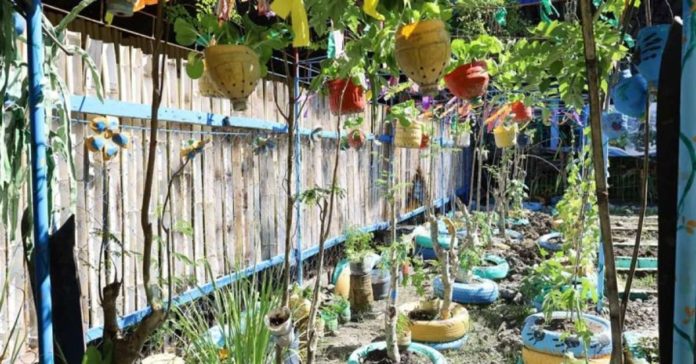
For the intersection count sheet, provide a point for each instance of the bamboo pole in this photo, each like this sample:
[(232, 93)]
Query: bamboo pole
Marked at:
[(591, 65)]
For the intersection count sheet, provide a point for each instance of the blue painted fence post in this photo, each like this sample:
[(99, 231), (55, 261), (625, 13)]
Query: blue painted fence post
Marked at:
[(685, 269), (39, 183)]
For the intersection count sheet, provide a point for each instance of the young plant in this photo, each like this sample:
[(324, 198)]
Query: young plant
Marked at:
[(404, 113), (478, 49), (358, 244)]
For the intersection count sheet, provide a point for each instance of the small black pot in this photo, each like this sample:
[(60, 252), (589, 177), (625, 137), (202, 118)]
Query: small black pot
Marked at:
[(381, 283)]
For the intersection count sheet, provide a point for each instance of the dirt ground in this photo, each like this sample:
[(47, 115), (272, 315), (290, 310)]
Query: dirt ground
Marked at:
[(495, 329)]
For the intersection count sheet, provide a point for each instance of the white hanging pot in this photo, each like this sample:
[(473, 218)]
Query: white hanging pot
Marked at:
[(465, 140)]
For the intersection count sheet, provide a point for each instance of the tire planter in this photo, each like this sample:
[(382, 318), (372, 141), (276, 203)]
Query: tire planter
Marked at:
[(424, 246), (381, 283), (630, 94), (234, 70), (452, 345), (512, 234), (432, 354), (644, 263), (441, 331), (498, 270), (546, 243), (469, 81), (353, 100), (541, 341), (409, 136), (422, 51), (532, 206), (505, 136), (530, 356), (479, 291)]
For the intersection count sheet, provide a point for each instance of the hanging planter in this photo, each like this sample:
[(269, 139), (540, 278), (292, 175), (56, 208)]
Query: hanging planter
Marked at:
[(469, 81), (543, 345), (522, 113), (505, 136), (422, 52), (630, 94), (121, 8), (464, 140), (380, 284), (330, 319), (408, 136), (425, 141), (345, 97), (234, 70), (651, 44), (356, 139)]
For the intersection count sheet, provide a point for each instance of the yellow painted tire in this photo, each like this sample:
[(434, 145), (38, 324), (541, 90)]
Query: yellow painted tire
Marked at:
[(439, 331), (342, 287), (530, 356)]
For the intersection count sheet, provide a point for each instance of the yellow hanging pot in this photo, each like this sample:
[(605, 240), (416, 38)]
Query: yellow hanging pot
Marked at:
[(408, 136), (234, 70), (505, 136), (423, 51)]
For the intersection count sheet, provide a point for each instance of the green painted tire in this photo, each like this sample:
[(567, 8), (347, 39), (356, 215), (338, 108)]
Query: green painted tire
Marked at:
[(432, 354)]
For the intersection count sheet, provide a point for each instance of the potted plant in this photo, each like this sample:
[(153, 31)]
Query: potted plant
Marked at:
[(467, 75), (235, 51), (461, 131), (342, 308), (422, 47), (359, 251), (408, 129), (330, 318)]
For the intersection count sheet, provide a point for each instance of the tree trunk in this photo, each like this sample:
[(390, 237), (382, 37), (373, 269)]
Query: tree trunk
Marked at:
[(600, 178)]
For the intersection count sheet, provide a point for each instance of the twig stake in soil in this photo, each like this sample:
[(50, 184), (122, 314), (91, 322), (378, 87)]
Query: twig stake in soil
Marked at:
[(591, 65)]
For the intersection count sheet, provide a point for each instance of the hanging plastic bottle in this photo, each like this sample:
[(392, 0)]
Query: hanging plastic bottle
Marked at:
[(630, 94), (650, 45)]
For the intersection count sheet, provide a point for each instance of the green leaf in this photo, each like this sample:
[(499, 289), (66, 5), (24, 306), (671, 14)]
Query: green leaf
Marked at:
[(92, 356), (195, 66), (186, 34)]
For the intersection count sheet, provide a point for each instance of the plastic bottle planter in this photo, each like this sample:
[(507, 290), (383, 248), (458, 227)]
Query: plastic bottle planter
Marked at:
[(234, 70), (341, 279), (381, 283), (344, 314), (438, 331), (357, 357), (614, 125), (475, 291), (356, 139), (498, 269), (330, 321), (281, 332), (345, 97), (122, 8), (522, 113), (207, 88), (469, 81), (542, 346), (408, 136), (651, 44), (630, 94), (422, 51), (505, 136)]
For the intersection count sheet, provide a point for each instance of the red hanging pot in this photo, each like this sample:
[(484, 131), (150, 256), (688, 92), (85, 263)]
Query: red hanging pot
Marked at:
[(356, 139), (353, 98), (468, 81), (522, 113)]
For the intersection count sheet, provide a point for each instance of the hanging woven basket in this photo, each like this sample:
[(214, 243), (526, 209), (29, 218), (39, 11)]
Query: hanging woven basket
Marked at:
[(345, 97), (422, 51), (234, 70), (409, 136), (468, 81), (505, 136)]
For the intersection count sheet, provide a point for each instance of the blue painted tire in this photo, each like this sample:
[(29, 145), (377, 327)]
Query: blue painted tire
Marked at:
[(518, 221), (546, 243), (532, 206), (426, 242), (499, 270), (512, 234), (452, 345), (546, 341), (481, 291), (433, 355)]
